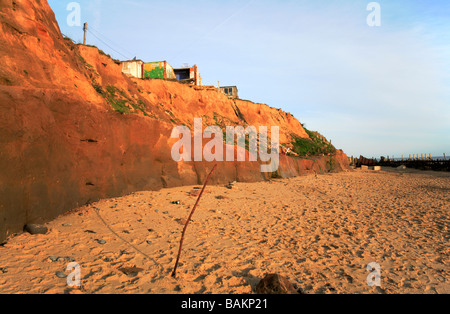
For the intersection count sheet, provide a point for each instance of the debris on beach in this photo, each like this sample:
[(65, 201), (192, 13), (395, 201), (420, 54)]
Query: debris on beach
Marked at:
[(195, 192), (275, 284), (131, 271), (181, 221), (36, 229), (230, 185), (54, 259)]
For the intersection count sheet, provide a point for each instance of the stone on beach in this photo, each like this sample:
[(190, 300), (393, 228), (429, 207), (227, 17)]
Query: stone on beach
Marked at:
[(275, 284), (131, 271), (36, 229), (60, 274)]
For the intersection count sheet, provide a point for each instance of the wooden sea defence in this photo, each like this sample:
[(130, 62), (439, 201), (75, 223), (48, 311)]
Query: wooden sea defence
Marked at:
[(419, 161)]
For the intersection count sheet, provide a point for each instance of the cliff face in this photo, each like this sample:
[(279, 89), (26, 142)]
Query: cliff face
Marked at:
[(74, 129)]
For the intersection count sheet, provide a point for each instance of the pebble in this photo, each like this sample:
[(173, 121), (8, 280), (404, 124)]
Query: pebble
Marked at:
[(62, 258), (4, 270), (176, 202), (60, 274), (230, 185), (67, 224), (101, 241)]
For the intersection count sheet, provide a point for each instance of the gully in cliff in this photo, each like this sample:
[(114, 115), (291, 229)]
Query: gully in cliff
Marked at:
[(214, 149)]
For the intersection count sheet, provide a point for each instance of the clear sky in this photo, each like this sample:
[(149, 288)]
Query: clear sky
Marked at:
[(375, 91)]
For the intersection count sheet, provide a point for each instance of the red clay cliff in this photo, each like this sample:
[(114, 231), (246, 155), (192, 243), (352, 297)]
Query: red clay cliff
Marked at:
[(74, 129)]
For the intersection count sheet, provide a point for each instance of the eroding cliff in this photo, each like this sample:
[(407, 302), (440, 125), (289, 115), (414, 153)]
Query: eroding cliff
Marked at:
[(74, 129)]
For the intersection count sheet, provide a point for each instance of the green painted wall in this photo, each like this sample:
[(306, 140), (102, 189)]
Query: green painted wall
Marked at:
[(154, 70)]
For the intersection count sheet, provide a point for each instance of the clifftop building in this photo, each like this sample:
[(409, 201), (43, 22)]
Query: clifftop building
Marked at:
[(230, 91), (189, 75), (161, 70), (134, 68)]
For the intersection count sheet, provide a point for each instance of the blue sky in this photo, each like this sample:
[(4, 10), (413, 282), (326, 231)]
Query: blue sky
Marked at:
[(375, 91)]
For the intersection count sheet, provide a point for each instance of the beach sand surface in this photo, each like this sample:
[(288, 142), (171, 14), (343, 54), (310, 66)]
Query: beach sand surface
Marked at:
[(320, 232)]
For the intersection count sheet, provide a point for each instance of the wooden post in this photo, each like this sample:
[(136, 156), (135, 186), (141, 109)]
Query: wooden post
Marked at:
[(444, 157), (188, 220), (409, 156), (84, 29)]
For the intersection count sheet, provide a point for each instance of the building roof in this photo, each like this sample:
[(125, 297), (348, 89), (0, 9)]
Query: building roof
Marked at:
[(138, 60)]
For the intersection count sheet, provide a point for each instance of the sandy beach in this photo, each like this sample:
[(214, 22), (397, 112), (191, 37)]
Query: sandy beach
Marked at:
[(320, 232)]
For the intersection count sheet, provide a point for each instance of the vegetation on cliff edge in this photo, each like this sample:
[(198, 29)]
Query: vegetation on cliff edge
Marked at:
[(313, 146)]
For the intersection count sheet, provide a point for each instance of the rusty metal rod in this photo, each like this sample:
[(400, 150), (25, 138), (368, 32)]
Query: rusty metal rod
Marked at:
[(188, 220)]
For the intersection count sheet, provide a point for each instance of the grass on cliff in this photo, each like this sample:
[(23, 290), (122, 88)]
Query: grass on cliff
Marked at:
[(313, 146), (119, 100)]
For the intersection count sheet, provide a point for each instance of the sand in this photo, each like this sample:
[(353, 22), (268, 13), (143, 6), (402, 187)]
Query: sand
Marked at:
[(320, 232)]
